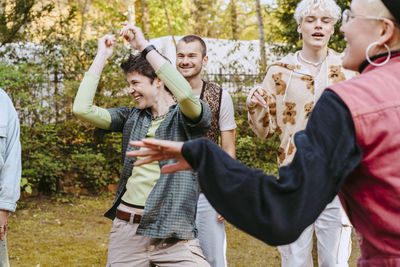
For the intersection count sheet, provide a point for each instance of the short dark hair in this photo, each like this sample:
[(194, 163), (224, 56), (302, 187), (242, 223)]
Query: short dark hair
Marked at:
[(193, 38), (137, 63)]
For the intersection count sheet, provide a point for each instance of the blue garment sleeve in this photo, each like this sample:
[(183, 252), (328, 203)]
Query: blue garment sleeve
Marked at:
[(10, 154), (278, 210)]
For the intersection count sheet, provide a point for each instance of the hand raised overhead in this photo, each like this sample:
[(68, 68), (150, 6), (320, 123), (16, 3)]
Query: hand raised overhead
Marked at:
[(105, 45), (134, 36)]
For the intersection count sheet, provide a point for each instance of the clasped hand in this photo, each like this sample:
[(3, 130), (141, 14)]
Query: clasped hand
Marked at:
[(258, 97), (130, 32)]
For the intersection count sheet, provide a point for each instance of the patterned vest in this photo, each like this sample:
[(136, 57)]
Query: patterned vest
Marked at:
[(371, 193), (212, 95)]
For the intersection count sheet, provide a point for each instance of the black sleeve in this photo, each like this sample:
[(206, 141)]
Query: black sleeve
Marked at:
[(277, 211)]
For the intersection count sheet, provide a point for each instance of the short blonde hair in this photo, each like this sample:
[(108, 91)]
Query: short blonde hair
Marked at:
[(305, 7)]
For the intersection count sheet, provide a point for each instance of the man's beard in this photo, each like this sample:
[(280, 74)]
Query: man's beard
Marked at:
[(192, 74)]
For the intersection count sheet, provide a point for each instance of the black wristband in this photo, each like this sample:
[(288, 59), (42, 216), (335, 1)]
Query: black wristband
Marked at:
[(147, 50)]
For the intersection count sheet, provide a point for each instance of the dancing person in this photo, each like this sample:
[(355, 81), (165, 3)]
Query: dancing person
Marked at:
[(283, 104), (10, 169), (153, 214), (191, 57), (350, 146)]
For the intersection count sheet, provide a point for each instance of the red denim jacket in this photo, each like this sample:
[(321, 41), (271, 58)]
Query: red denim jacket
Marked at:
[(371, 194)]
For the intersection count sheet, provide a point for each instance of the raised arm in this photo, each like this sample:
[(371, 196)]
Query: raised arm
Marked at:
[(83, 106), (176, 83)]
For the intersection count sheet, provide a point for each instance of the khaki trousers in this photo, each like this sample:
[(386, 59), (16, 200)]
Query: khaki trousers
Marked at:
[(127, 248)]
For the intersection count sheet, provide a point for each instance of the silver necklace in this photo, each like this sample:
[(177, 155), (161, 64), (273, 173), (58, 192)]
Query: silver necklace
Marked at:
[(315, 64), (159, 116)]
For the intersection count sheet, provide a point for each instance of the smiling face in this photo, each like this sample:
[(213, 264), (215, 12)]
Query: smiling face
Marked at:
[(359, 32), (189, 59), (144, 89), (316, 29)]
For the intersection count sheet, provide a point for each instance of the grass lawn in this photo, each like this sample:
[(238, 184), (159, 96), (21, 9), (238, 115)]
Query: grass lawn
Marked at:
[(55, 232)]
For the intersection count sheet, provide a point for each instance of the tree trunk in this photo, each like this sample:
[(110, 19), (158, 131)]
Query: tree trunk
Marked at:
[(261, 35), (171, 32), (2, 7), (145, 18), (84, 12), (19, 15), (130, 6), (234, 24)]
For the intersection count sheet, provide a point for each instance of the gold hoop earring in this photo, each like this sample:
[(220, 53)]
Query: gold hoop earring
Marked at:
[(373, 63)]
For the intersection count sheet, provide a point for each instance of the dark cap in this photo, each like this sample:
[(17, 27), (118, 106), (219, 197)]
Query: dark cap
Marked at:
[(394, 7)]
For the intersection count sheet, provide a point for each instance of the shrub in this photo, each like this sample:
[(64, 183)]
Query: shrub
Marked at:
[(250, 149)]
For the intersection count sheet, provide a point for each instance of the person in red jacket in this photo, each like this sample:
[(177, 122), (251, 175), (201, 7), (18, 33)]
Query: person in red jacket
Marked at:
[(351, 146)]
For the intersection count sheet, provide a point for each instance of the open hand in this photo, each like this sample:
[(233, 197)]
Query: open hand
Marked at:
[(160, 150)]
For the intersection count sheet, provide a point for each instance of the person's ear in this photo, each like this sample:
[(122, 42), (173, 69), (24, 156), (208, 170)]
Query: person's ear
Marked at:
[(299, 28), (387, 31), (205, 61), (158, 82)]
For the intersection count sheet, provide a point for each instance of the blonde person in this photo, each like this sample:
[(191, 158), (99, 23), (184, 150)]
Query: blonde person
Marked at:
[(283, 104), (351, 146), (153, 214)]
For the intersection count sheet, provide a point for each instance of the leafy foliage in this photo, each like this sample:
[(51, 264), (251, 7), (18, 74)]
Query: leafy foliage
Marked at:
[(15, 14), (250, 149), (58, 152)]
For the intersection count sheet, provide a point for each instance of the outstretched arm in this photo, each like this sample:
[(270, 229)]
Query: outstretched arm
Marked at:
[(276, 211)]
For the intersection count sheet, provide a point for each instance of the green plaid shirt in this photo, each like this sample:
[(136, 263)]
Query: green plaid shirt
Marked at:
[(171, 206)]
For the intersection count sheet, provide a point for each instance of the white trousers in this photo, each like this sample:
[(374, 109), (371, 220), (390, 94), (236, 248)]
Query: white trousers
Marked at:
[(211, 233), (333, 232)]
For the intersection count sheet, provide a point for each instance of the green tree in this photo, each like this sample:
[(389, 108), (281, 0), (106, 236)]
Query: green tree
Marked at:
[(15, 14)]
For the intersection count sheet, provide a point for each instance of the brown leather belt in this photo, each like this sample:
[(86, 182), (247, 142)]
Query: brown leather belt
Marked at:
[(126, 216)]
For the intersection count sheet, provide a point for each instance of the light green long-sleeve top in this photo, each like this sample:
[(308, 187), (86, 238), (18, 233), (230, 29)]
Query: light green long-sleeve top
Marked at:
[(85, 110), (143, 178)]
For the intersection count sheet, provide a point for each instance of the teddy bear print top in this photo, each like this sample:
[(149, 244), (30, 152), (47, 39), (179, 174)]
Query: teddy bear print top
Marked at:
[(291, 92)]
